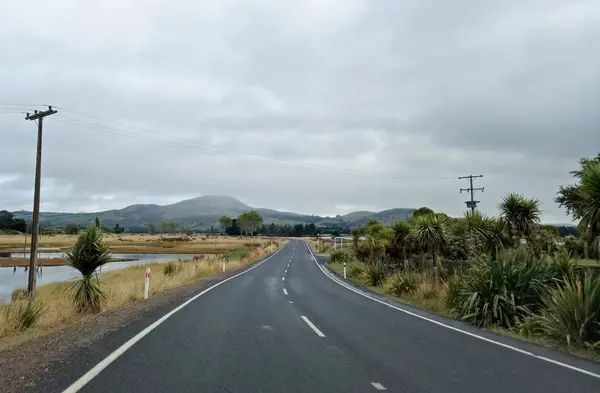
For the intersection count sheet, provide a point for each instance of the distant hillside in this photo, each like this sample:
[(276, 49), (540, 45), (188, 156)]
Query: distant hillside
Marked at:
[(204, 211), (356, 215)]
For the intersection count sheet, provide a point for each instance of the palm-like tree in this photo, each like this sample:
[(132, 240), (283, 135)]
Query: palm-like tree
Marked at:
[(474, 229), (430, 232), (87, 255), (587, 200), (521, 215), (401, 231), (355, 237), (497, 236)]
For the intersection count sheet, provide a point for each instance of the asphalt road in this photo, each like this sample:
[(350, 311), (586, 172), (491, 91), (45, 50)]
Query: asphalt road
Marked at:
[(285, 326)]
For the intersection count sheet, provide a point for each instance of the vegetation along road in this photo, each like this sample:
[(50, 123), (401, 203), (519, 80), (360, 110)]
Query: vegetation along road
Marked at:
[(289, 325)]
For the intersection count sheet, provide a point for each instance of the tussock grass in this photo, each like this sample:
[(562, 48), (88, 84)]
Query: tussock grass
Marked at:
[(120, 287)]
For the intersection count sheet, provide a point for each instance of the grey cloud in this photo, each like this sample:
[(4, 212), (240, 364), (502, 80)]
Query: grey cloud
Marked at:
[(425, 90)]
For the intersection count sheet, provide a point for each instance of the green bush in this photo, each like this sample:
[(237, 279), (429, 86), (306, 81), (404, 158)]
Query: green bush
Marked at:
[(452, 293), (169, 268), (341, 255), (355, 270), (400, 284), (24, 314), (88, 255), (572, 311), (19, 294), (376, 273), (500, 292)]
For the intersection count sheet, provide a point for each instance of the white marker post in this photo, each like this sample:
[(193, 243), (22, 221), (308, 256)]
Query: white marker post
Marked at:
[(147, 284), (223, 266), (344, 270)]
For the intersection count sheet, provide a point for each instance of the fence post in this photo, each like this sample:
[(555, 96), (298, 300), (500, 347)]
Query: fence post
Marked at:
[(147, 283)]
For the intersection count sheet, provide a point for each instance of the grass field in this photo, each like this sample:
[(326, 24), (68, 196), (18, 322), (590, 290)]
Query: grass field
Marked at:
[(136, 243), (120, 287)]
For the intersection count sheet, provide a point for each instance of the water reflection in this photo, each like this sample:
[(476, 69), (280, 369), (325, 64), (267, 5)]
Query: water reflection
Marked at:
[(12, 278)]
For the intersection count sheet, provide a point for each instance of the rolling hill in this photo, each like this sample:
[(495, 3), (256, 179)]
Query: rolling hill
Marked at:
[(204, 211)]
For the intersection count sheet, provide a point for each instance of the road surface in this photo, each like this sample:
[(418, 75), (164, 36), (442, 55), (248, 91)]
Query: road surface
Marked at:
[(285, 326)]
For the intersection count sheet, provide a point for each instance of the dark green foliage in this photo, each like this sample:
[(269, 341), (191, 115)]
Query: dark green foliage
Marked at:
[(87, 294), (170, 268), (87, 255), (422, 211), (376, 273), (521, 215), (400, 284), (452, 293), (355, 270), (9, 222), (571, 311), (71, 229), (341, 255), (24, 314), (568, 196), (234, 228), (500, 292), (575, 246)]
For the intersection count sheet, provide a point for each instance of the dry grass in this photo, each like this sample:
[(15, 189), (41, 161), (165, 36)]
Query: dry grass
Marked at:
[(120, 287), (134, 242)]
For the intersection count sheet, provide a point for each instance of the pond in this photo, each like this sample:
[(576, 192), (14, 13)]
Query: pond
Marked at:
[(11, 280)]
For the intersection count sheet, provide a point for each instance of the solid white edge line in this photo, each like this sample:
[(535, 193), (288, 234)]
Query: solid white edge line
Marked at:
[(285, 291), (312, 326), (378, 386), (580, 370), (97, 369)]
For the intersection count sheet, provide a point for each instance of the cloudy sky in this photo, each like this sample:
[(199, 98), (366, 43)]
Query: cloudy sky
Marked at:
[(321, 106)]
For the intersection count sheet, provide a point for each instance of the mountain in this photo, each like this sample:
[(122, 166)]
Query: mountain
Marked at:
[(204, 211)]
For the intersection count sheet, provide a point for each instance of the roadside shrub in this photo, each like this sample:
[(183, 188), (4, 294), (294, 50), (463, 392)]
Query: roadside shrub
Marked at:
[(562, 265), (24, 314), (355, 270), (340, 256), (501, 291), (400, 284), (19, 294), (428, 289), (452, 292), (572, 311), (88, 255), (169, 268), (375, 273)]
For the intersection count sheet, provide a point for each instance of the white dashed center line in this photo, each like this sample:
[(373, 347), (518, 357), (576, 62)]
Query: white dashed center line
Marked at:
[(282, 278), (284, 291), (378, 386), (312, 326)]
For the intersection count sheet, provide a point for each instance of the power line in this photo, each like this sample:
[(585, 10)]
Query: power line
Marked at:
[(472, 204), (231, 152), (178, 142)]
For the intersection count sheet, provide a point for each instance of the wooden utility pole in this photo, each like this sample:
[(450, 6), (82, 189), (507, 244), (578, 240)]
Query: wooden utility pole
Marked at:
[(472, 204), (39, 116)]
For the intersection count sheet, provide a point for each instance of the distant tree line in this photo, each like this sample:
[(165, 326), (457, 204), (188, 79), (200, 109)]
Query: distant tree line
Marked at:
[(8, 221)]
